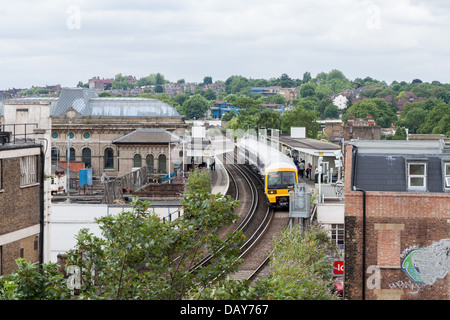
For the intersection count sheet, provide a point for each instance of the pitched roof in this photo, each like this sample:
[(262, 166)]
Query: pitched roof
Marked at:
[(148, 136)]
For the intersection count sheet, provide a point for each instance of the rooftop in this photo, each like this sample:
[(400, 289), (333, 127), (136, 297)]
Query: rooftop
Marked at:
[(86, 103), (398, 146), (147, 136)]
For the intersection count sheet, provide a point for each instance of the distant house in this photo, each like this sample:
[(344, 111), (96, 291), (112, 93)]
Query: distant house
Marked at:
[(100, 84), (222, 107), (361, 129), (340, 101)]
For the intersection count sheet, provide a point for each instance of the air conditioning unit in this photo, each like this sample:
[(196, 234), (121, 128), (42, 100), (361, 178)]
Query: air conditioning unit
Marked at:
[(5, 137)]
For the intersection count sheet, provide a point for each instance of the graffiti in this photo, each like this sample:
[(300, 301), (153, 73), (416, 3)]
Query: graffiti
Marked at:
[(426, 265), (414, 286)]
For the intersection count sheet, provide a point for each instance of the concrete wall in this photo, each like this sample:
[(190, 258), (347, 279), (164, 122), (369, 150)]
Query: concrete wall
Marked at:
[(68, 219)]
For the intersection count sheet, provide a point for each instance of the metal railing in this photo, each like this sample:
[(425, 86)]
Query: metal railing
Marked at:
[(16, 132)]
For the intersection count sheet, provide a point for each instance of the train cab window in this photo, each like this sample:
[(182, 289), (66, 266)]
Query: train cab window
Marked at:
[(280, 180)]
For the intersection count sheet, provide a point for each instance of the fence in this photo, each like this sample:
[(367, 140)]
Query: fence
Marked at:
[(131, 181)]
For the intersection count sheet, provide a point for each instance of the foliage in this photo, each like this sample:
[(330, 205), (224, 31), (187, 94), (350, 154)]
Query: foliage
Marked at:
[(195, 107), (299, 117), (30, 282), (139, 256), (301, 267), (381, 112), (121, 82)]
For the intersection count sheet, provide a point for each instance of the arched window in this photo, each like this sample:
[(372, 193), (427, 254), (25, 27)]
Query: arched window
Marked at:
[(137, 161), (150, 161), (162, 164), (55, 154), (109, 158), (86, 157), (72, 154)]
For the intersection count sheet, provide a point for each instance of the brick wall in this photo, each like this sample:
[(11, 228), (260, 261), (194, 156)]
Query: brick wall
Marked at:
[(19, 210), (396, 223)]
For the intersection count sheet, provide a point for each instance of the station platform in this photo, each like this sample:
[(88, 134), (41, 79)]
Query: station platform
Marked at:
[(219, 179)]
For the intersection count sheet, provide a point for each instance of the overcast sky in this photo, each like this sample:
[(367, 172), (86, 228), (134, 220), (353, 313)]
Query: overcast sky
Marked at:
[(62, 42)]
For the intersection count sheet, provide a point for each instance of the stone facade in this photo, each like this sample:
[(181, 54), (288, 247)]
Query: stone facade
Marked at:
[(97, 135)]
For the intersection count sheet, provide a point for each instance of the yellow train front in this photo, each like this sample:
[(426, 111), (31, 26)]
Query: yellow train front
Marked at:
[(279, 180)]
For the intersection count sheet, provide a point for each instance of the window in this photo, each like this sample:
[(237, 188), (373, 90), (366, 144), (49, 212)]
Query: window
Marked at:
[(86, 135), (417, 177), (86, 157), (137, 161), (149, 161), (337, 234), (162, 164), (109, 158), (72, 154), (447, 175), (55, 135), (71, 135), (28, 172), (55, 154)]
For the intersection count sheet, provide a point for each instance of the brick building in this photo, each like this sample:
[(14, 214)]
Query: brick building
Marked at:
[(22, 204), (397, 220), (361, 129)]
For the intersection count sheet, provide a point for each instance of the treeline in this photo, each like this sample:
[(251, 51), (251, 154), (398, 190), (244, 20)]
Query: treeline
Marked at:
[(427, 112)]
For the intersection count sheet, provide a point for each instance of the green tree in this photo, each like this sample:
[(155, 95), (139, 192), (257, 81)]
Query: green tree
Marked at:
[(299, 117), (381, 112), (301, 264), (139, 256), (195, 107), (121, 82)]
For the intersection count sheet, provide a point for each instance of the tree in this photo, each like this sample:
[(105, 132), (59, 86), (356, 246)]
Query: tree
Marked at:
[(381, 112), (139, 256), (121, 82), (307, 90), (301, 264), (207, 80), (299, 117), (195, 107), (300, 269)]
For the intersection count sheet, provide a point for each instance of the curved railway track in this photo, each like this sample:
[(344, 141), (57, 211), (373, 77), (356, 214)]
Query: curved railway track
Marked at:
[(258, 222)]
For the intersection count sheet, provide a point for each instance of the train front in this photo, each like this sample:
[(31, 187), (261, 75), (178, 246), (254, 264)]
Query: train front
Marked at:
[(279, 181)]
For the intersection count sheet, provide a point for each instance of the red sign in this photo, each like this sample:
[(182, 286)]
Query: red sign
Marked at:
[(339, 267)]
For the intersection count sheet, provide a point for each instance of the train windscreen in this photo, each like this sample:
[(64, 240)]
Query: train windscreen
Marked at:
[(280, 180)]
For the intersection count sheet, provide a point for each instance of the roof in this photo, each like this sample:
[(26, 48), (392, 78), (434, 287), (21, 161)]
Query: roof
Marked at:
[(398, 146), (147, 136), (87, 103), (382, 165), (308, 143)]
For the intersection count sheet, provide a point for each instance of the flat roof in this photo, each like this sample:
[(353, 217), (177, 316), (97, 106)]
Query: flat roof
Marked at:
[(398, 146), (308, 143)]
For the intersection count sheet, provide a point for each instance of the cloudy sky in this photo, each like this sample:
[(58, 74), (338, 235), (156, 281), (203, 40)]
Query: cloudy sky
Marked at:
[(62, 42)]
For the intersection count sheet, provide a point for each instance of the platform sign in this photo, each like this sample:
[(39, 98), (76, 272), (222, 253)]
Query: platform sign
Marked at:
[(338, 267)]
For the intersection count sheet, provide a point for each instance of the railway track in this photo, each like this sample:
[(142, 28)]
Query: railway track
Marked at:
[(258, 222)]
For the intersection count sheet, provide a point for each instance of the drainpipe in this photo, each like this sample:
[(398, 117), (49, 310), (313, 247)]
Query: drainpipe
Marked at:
[(363, 243), (354, 165), (42, 203)]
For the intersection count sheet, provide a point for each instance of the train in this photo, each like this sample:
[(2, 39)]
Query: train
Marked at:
[(277, 171)]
